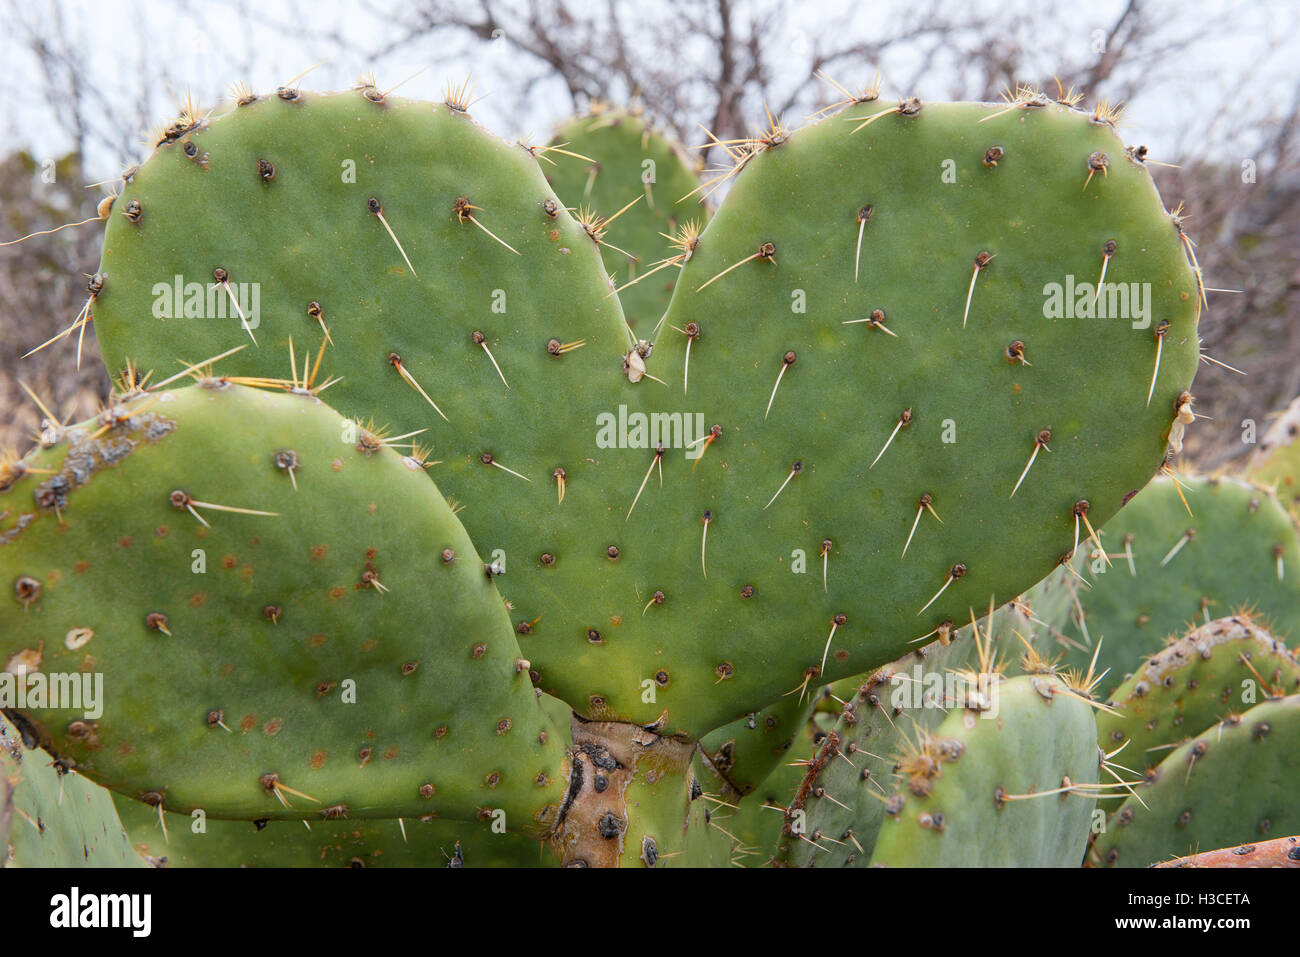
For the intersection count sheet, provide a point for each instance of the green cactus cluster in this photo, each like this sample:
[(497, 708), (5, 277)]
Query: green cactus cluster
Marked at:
[(474, 503)]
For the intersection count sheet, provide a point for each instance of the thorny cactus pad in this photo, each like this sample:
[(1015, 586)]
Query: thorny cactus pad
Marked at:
[(626, 160), (1233, 783), (834, 817), (1279, 852), (835, 812), (1191, 684), (945, 387), (287, 617), (1015, 789), (1185, 551), (832, 429), (574, 509)]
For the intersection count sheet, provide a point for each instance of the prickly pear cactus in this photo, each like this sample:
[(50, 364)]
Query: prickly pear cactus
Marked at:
[(625, 159), (282, 614), (1011, 788), (672, 562), (1191, 684), (802, 457), (834, 819), (574, 502), (1168, 570), (54, 817), (1233, 783)]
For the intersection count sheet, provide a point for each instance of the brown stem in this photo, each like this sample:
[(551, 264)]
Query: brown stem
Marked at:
[(606, 758)]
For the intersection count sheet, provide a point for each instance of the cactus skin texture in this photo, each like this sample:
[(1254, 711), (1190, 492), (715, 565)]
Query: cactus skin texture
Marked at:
[(54, 818), (1040, 737), (250, 673), (1244, 553), (767, 628), (1279, 852), (629, 798), (626, 149), (1191, 684), (374, 842), (745, 753), (1234, 783)]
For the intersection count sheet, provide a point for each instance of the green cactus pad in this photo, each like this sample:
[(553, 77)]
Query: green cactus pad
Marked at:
[(1235, 783), (584, 574), (1243, 552), (978, 792), (1193, 684), (1033, 212), (331, 649), (56, 818), (883, 712), (840, 815), (376, 842), (632, 160)]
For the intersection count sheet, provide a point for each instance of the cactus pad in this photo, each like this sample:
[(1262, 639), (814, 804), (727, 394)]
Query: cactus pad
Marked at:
[(56, 818), (1192, 684), (1234, 783), (286, 615), (1010, 790), (633, 162)]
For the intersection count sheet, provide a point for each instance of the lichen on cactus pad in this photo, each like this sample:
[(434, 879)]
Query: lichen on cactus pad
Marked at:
[(285, 614)]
